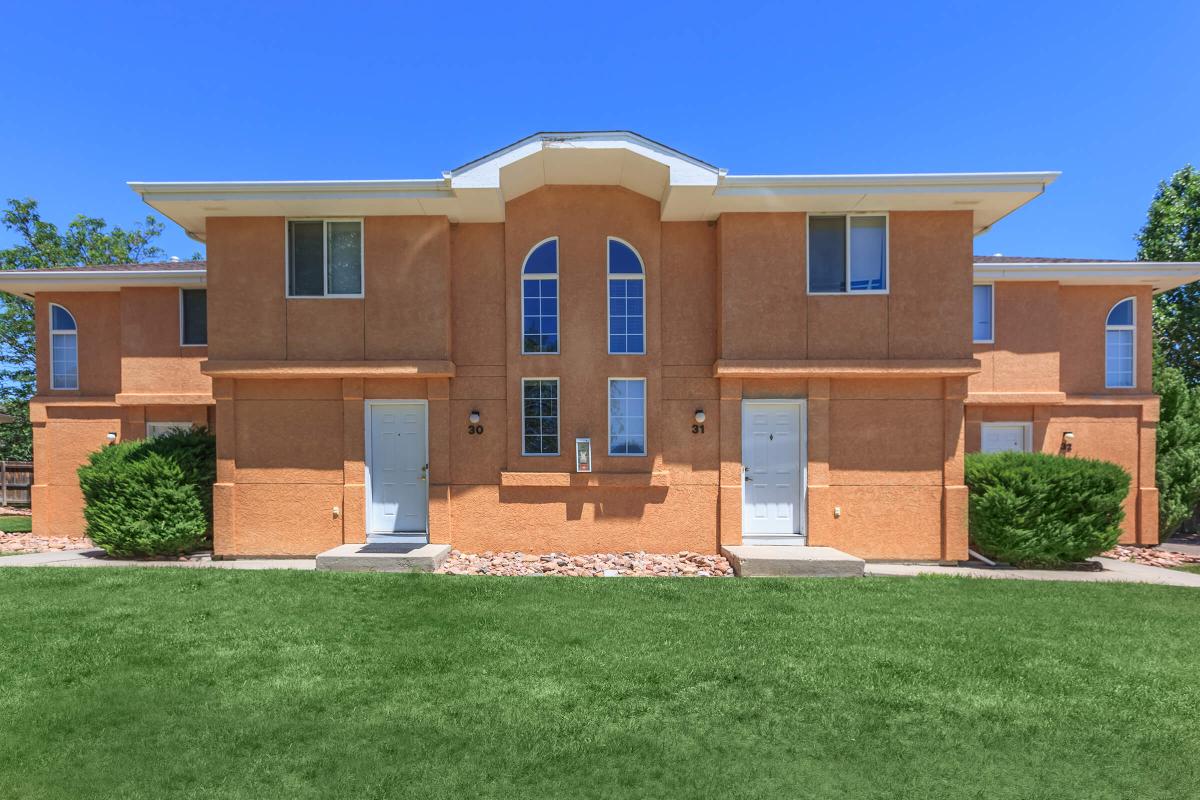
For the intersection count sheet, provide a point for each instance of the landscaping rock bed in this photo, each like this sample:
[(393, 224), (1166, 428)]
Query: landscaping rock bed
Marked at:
[(598, 565), (1150, 556), (32, 543)]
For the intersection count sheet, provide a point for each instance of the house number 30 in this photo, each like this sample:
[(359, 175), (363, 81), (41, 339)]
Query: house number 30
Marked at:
[(474, 430)]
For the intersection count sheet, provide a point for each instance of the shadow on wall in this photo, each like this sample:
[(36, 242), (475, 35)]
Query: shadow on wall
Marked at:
[(623, 503)]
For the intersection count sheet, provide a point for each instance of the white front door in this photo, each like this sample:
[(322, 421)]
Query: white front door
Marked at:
[(1003, 437), (397, 468), (774, 473)]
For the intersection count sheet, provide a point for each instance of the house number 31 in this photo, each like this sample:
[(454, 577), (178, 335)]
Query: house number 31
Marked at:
[(698, 428)]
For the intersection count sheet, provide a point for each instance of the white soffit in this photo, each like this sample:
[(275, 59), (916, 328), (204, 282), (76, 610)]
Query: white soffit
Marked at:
[(687, 188), (1162, 276), (29, 282)]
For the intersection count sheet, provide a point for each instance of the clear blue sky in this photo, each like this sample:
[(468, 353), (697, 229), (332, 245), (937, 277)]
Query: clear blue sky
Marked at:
[(97, 94)]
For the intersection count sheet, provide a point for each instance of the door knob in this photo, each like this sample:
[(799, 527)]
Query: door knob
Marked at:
[(424, 471)]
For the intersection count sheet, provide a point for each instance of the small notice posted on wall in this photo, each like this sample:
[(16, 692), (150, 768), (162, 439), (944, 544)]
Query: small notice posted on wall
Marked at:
[(583, 455)]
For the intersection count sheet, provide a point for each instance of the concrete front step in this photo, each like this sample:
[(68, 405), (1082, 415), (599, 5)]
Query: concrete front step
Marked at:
[(375, 557), (760, 561)]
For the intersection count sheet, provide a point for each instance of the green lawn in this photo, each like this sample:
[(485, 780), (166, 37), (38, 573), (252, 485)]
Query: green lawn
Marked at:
[(15, 524), (1189, 568), (164, 682)]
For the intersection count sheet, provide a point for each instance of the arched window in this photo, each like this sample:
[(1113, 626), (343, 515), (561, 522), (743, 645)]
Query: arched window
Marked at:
[(539, 299), (1120, 334), (626, 300), (64, 349)]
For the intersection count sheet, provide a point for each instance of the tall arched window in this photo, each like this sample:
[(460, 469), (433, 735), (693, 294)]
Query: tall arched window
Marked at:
[(539, 299), (626, 300), (64, 349), (1120, 334)]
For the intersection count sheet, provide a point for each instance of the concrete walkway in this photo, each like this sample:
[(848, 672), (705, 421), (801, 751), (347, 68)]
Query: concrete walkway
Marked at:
[(1114, 571), (96, 558)]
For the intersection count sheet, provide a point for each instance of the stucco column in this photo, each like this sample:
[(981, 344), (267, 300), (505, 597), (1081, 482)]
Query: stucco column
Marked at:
[(439, 460), (39, 492), (1147, 489), (729, 503), (819, 518), (225, 488), (354, 522), (954, 490), (133, 426)]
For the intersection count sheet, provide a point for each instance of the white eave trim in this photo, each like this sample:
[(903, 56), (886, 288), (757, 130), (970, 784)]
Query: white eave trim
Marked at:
[(911, 182), (1161, 275), (218, 191), (30, 282)]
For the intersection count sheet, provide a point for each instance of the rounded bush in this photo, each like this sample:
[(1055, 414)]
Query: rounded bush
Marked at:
[(1039, 510), (150, 497)]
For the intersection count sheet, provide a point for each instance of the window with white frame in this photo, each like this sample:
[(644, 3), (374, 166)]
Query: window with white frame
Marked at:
[(64, 349), (1120, 334), (626, 300), (325, 258), (983, 309), (539, 416), (156, 429), (1006, 437), (193, 316), (847, 253), (539, 299), (627, 416)]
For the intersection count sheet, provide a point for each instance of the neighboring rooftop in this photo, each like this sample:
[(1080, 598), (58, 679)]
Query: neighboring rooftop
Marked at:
[(1003, 259), (104, 277), (144, 266)]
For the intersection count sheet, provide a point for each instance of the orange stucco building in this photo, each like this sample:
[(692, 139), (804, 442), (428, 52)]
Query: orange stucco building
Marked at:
[(592, 342)]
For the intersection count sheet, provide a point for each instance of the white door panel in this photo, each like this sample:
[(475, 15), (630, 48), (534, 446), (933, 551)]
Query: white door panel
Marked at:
[(398, 472), (774, 473)]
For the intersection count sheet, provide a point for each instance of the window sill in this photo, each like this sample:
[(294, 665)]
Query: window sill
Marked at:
[(575, 480)]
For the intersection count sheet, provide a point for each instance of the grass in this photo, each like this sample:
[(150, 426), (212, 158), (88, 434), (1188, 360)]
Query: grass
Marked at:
[(16, 524), (1188, 568), (169, 682)]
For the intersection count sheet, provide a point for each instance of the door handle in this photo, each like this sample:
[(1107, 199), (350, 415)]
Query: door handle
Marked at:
[(424, 472), (746, 475)]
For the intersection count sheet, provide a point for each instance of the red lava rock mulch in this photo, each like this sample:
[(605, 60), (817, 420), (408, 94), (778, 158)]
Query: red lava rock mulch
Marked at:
[(683, 564), (15, 511), (1150, 556), (32, 543)]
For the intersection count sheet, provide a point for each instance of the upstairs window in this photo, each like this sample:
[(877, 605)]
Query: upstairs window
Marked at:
[(1119, 335), (64, 349), (539, 299), (847, 253), (193, 316), (626, 300), (982, 313), (325, 258)]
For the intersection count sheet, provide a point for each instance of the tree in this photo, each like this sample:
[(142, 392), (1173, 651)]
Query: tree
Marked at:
[(1177, 469), (86, 240), (1172, 233)]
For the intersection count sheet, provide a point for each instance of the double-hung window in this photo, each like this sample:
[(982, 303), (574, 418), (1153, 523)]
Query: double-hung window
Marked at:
[(193, 316), (324, 258), (539, 416), (64, 349), (983, 309), (1120, 335), (539, 299), (627, 416), (626, 300), (847, 253)]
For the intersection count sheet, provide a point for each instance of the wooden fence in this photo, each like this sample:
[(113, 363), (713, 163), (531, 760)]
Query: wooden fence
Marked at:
[(15, 479)]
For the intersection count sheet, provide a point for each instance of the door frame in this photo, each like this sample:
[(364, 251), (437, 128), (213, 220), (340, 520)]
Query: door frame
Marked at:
[(405, 537), (802, 512)]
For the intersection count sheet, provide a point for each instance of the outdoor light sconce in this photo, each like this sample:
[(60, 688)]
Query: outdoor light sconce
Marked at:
[(473, 417), (112, 437), (1065, 447), (699, 416)]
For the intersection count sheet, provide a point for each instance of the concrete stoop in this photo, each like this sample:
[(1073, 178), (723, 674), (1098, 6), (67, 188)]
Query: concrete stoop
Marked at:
[(373, 557), (763, 561)]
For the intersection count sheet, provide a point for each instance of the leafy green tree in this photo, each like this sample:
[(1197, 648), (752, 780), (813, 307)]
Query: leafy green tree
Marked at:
[(1178, 464), (1172, 233), (41, 244)]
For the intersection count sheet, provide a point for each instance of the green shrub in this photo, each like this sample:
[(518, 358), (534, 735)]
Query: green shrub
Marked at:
[(1038, 510), (150, 496)]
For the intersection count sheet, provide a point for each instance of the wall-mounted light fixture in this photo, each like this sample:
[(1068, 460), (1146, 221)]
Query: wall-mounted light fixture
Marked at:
[(1067, 438), (112, 436), (473, 417), (699, 416)]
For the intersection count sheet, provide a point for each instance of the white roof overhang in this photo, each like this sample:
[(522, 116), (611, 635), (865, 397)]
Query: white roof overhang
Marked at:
[(686, 188), (29, 282), (1161, 276)]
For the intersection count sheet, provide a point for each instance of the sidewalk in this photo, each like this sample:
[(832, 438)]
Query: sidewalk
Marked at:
[(96, 558), (1114, 572)]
